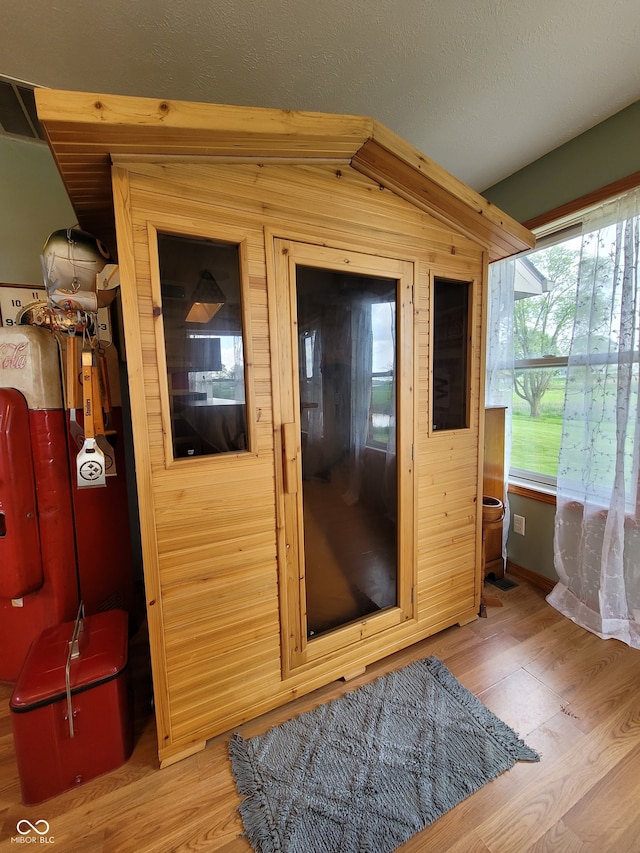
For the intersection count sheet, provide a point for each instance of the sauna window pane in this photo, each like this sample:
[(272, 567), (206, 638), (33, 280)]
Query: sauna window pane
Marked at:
[(450, 354), (204, 343)]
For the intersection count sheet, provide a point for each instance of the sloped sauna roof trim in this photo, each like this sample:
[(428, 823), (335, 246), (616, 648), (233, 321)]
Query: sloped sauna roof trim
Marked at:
[(86, 131)]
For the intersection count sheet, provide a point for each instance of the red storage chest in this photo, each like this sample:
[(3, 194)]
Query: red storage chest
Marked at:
[(53, 752)]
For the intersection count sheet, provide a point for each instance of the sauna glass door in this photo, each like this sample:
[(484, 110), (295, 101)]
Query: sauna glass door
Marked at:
[(347, 425), (347, 379)]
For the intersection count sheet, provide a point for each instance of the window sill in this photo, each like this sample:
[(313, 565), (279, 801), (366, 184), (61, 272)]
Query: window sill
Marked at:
[(544, 494)]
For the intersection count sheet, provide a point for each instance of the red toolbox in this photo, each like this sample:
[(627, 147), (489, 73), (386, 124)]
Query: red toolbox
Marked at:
[(71, 707)]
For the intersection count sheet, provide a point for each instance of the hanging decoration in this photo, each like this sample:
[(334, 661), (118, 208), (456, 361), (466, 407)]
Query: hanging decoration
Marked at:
[(79, 280)]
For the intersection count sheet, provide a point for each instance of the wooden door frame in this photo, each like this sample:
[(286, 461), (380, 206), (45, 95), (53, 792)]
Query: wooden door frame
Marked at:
[(299, 653)]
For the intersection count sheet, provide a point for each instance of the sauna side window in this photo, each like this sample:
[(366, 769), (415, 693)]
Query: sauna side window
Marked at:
[(204, 343), (451, 338)]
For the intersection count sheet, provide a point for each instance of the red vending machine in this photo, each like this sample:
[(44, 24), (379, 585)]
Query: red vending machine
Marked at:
[(59, 544)]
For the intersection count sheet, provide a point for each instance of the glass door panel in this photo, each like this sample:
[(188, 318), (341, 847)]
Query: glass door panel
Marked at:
[(347, 334)]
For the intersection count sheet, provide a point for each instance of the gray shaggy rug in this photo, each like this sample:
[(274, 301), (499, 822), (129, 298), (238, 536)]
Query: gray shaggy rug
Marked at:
[(368, 770)]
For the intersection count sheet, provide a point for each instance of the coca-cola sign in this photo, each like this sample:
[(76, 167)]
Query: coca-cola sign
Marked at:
[(13, 356)]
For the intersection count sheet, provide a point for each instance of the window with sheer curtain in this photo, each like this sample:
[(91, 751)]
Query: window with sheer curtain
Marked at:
[(594, 387)]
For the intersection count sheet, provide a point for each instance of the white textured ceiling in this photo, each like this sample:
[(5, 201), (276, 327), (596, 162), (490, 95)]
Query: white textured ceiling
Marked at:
[(483, 87)]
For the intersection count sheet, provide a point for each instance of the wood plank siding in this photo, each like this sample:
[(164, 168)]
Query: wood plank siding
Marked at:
[(222, 588)]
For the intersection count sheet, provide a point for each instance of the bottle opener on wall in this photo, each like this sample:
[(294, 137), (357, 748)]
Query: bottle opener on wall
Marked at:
[(90, 461)]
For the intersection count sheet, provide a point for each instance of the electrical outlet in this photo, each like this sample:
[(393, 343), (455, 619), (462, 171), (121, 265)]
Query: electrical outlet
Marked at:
[(518, 524)]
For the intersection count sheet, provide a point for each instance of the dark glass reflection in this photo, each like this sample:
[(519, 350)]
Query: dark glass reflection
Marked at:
[(347, 374), (202, 316), (450, 354)]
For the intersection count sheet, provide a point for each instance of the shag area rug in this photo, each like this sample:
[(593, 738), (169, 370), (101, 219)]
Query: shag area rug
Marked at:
[(368, 770)]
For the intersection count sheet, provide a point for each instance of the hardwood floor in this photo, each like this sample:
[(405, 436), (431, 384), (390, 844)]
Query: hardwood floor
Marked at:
[(573, 697)]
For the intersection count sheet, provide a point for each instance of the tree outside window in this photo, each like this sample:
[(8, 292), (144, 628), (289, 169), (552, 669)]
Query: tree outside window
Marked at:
[(544, 321), (544, 311)]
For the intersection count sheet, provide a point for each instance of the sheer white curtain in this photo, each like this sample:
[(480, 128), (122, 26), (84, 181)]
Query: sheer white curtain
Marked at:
[(360, 399), (311, 398), (364, 338), (390, 482), (499, 370), (597, 531)]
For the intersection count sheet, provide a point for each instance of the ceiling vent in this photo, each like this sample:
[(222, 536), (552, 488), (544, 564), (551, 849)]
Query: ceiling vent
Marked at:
[(18, 116)]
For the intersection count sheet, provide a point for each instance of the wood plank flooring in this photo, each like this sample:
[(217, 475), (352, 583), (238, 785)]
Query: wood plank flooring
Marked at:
[(573, 697)]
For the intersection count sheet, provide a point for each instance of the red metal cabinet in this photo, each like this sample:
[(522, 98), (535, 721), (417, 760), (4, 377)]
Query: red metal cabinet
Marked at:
[(53, 756)]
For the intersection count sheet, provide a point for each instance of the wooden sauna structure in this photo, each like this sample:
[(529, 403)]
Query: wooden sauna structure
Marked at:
[(303, 302)]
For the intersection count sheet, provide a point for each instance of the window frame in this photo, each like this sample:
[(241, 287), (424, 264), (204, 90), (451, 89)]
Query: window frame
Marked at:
[(566, 221)]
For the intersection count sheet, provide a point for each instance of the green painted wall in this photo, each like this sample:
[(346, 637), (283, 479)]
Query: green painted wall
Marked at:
[(33, 203), (534, 550), (602, 155)]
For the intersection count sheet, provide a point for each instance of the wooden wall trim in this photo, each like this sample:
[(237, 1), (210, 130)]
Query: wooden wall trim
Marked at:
[(630, 182), (532, 494), (498, 234), (140, 431), (540, 581)]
